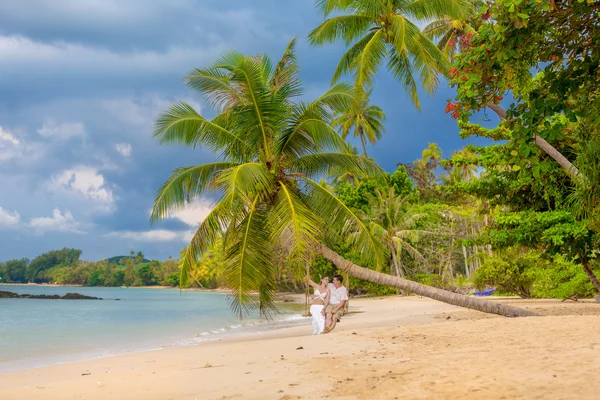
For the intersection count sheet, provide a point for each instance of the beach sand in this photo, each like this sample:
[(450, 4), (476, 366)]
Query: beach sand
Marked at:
[(404, 348)]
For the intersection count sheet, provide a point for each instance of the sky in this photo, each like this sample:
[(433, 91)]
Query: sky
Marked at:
[(81, 82)]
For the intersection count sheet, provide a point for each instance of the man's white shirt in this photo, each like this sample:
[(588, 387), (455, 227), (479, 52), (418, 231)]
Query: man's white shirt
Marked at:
[(337, 294)]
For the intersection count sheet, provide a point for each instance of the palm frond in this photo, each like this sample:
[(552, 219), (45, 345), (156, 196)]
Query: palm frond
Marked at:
[(327, 6), (181, 124), (295, 222), (345, 27), (368, 61), (248, 267), (215, 85), (315, 165), (403, 70), (308, 132), (284, 79), (433, 9), (184, 185), (207, 234), (349, 58), (342, 221), (246, 181)]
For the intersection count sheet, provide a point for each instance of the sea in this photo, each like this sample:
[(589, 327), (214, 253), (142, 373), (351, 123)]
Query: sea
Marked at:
[(35, 333)]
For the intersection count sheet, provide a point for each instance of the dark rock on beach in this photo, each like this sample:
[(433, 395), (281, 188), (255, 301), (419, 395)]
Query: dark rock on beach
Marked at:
[(68, 296)]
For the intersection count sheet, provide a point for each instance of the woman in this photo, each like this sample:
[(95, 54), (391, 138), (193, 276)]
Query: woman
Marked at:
[(320, 301)]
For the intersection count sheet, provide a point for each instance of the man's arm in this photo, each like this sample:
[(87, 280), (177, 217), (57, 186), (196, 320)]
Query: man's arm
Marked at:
[(339, 306)]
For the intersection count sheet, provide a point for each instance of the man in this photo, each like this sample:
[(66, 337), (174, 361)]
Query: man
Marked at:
[(337, 299)]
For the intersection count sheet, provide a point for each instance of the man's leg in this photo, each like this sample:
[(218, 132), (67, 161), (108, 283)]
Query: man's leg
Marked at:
[(328, 319), (333, 322)]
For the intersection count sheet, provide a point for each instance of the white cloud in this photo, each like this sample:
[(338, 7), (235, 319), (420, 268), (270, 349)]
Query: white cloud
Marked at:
[(159, 235), (25, 54), (194, 213), (140, 112), (9, 145), (9, 219), (124, 149), (83, 181), (8, 137), (64, 130), (58, 222)]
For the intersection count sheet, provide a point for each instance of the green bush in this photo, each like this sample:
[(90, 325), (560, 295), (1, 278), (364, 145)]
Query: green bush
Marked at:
[(434, 280), (513, 271), (527, 274), (561, 278)]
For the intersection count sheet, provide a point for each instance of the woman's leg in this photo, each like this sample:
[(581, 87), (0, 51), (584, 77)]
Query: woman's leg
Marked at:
[(318, 320)]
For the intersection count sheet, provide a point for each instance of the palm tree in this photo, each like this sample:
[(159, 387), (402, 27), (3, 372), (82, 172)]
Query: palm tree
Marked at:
[(432, 155), (467, 165), (272, 149), (378, 30), (393, 222), (363, 119), (450, 33), (341, 176)]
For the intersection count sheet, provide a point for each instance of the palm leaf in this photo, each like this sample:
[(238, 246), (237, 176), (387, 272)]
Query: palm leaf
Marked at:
[(345, 27), (342, 221), (295, 222), (315, 165), (183, 125), (368, 61), (248, 266), (184, 185)]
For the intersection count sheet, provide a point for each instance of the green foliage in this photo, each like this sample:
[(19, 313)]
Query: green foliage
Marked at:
[(556, 231), (378, 32), (55, 258), (561, 278), (364, 120), (513, 272), (434, 280), (358, 196), (14, 270), (546, 55), (120, 260), (528, 273)]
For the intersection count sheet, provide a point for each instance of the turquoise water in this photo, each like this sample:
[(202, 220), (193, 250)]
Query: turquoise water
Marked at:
[(34, 332)]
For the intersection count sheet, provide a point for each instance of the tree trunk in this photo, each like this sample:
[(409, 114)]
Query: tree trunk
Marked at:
[(591, 275), (397, 269), (467, 272), (422, 290), (572, 171)]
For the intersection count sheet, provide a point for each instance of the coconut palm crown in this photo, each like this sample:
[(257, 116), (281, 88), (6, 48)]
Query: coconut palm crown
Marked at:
[(363, 119), (378, 31), (272, 150)]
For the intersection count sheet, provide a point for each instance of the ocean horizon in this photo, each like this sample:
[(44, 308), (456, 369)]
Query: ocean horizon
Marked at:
[(36, 332)]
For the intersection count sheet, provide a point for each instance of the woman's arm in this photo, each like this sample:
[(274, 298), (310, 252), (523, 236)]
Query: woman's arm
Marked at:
[(313, 284), (326, 301)]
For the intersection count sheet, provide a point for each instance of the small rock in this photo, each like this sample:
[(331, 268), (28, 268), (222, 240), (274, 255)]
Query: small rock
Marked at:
[(300, 348)]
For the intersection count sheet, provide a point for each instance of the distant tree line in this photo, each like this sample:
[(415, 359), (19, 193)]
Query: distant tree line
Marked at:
[(65, 267)]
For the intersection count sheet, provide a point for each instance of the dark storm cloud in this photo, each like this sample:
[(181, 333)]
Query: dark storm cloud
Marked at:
[(81, 83)]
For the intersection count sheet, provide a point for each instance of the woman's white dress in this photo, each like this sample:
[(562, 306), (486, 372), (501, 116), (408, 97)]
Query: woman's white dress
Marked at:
[(318, 319)]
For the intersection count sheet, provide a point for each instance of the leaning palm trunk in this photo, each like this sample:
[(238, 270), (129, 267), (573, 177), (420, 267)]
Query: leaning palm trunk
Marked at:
[(571, 170), (422, 290)]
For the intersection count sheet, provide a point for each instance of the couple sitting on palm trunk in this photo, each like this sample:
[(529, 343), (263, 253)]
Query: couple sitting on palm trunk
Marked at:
[(328, 304)]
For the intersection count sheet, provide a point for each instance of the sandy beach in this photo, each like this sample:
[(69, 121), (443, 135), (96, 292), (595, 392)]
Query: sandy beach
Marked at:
[(404, 348)]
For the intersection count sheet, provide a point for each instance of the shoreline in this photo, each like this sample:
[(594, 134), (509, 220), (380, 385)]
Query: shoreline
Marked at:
[(410, 348)]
